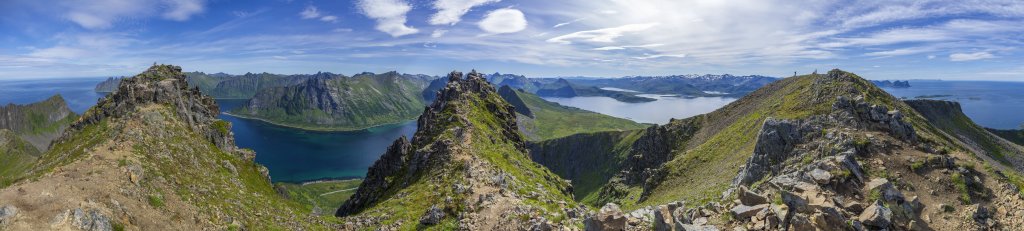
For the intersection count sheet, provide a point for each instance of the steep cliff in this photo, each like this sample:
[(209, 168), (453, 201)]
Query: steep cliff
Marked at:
[(39, 122), (108, 85), (333, 102), (466, 167), (150, 156)]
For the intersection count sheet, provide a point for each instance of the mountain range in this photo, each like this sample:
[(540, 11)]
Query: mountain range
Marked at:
[(813, 152)]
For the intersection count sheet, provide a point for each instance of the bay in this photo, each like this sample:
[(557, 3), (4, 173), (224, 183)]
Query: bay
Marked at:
[(660, 111), (989, 103)]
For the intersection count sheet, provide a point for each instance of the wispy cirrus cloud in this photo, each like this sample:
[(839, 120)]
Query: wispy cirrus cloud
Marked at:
[(960, 57)]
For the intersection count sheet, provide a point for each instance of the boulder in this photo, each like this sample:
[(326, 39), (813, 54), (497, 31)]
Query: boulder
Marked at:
[(800, 222), (610, 217), (794, 201), (848, 162), (92, 220), (820, 176), (876, 215), (663, 220), (748, 197), (688, 227), (7, 214), (744, 212), (884, 189), (433, 216)]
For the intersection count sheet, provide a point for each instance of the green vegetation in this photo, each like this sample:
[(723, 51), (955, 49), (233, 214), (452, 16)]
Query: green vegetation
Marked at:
[(490, 145), (961, 186), (326, 196), (156, 200), (17, 157), (1014, 135), (339, 103), (552, 120)]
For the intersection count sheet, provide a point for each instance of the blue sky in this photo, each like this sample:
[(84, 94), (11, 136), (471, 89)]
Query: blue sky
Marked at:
[(955, 40)]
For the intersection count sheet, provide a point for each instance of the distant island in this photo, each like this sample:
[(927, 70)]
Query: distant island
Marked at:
[(891, 84)]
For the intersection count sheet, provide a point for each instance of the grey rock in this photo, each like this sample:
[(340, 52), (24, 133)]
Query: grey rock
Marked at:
[(689, 227), (876, 215), (774, 145), (820, 176), (7, 214), (433, 216), (663, 219), (885, 188), (91, 220), (609, 217), (748, 197), (744, 212)]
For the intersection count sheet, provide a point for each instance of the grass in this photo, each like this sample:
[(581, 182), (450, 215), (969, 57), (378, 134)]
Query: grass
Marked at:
[(326, 196), (961, 187), (155, 200), (17, 157)]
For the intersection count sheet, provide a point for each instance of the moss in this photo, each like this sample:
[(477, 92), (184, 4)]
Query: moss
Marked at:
[(222, 126), (156, 200), (916, 166), (117, 226)]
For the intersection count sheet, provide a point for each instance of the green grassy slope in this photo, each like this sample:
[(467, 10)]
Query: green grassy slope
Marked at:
[(16, 157), (552, 120), (321, 197), (184, 174), (469, 138), (1013, 135), (949, 118)]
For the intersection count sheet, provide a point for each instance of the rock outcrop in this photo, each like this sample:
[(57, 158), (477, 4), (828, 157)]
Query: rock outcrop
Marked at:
[(511, 97), (466, 166)]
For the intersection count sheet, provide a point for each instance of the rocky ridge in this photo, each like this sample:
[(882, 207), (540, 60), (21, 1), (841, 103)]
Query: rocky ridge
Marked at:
[(465, 168), (149, 156), (861, 166)]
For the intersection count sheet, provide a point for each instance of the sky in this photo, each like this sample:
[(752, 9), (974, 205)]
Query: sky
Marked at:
[(890, 39)]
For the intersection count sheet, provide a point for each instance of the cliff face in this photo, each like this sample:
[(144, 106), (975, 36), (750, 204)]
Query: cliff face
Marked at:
[(149, 156), (512, 98), (108, 85), (950, 119), (332, 102), (466, 167), (38, 123)]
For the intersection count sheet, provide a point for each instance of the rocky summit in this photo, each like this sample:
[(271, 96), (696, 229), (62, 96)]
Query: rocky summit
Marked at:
[(149, 156), (465, 168)]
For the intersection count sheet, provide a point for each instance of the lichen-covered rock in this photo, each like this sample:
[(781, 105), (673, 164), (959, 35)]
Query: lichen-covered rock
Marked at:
[(7, 214), (610, 217)]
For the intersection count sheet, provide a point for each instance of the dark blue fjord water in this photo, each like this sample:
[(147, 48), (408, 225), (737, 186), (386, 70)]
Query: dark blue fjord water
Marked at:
[(296, 155)]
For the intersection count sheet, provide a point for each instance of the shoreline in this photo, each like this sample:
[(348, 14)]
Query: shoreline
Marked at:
[(316, 129)]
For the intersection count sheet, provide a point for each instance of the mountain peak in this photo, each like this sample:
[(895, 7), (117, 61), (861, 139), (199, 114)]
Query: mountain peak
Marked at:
[(466, 165)]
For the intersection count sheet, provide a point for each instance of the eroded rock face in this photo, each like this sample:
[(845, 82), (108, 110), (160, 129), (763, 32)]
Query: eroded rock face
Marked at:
[(774, 146), (389, 164), (166, 85)]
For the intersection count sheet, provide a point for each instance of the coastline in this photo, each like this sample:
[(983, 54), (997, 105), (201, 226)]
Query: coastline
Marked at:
[(318, 129)]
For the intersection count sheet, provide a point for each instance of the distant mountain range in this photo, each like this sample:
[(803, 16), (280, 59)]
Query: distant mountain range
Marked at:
[(682, 85), (329, 101)]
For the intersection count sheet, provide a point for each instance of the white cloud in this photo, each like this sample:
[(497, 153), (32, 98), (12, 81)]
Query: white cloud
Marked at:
[(390, 15), (329, 18), (103, 14), (567, 23), (931, 57), (451, 11), (605, 35), (438, 33), (310, 12), (958, 57), (59, 52), (661, 56), (612, 48), (900, 52), (182, 10), (503, 21)]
